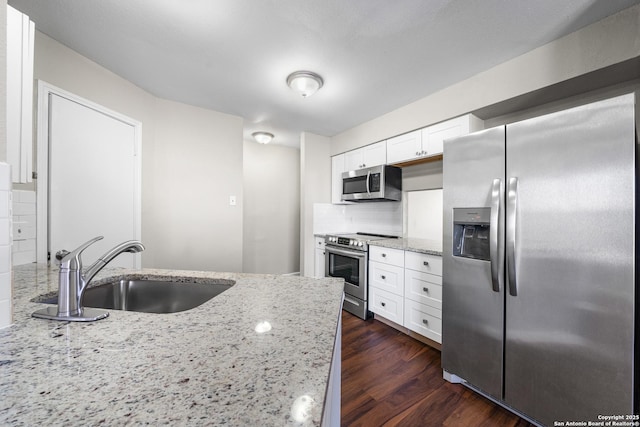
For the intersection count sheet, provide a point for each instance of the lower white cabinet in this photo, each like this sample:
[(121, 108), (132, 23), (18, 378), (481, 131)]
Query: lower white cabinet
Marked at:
[(319, 263), (387, 277), (423, 319), (386, 304), (405, 287), (423, 288)]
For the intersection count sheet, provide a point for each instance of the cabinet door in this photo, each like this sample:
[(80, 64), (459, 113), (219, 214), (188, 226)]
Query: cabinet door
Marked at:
[(386, 304), (20, 51), (386, 255), (387, 277), (374, 154), (337, 167), (425, 320), (404, 147), (431, 264), (319, 267), (433, 136), (353, 160), (424, 288)]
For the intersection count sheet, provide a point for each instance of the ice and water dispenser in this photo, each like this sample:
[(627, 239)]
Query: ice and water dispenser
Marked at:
[(471, 233)]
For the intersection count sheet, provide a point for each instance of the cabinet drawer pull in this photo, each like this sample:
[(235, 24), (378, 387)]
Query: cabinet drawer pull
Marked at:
[(383, 304), (384, 255), (425, 263), (383, 277), (425, 290), (425, 321)]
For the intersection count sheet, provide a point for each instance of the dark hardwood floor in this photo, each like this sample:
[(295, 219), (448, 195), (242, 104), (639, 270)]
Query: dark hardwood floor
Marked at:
[(390, 379)]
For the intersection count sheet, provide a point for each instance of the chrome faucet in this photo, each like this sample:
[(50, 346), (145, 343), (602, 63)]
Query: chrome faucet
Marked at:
[(73, 282)]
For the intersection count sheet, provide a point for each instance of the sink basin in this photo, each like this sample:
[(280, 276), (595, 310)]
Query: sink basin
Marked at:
[(150, 296)]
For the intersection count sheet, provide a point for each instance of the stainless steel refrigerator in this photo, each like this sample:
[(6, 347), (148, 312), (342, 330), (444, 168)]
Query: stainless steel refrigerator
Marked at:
[(540, 292)]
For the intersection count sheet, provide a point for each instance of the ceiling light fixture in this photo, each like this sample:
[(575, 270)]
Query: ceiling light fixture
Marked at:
[(262, 137), (306, 83)]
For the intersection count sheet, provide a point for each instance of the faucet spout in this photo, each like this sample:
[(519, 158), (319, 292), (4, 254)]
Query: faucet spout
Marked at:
[(132, 246), (73, 281)]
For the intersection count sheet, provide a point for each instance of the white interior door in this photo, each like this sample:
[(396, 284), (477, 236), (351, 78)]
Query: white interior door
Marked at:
[(93, 179)]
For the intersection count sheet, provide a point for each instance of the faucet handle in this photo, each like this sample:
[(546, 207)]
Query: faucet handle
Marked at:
[(66, 257), (61, 254)]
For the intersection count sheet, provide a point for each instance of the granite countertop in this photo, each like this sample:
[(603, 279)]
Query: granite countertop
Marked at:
[(205, 366), (424, 246)]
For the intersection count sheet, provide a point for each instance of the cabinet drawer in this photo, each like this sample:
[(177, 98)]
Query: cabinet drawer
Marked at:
[(386, 277), (386, 255), (424, 320), (424, 288), (320, 243), (386, 304), (422, 262)]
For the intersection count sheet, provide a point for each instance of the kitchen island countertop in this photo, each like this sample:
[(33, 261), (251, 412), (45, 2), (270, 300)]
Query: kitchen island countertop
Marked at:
[(204, 366), (424, 246)]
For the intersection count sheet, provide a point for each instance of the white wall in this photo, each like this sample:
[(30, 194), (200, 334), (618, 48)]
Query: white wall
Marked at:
[(613, 40), (190, 157), (271, 214), (315, 187)]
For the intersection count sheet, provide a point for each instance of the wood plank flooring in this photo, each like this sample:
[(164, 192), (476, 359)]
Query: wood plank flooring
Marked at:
[(390, 379)]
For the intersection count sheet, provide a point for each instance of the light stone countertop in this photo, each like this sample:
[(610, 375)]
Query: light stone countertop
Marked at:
[(424, 246), (205, 366)]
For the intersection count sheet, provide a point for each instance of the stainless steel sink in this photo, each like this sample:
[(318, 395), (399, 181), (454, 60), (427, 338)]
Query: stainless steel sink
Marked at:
[(150, 296)]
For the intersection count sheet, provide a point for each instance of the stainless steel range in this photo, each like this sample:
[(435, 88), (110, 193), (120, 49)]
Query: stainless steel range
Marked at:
[(347, 257)]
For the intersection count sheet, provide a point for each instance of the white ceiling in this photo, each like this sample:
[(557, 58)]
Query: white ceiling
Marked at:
[(233, 56)]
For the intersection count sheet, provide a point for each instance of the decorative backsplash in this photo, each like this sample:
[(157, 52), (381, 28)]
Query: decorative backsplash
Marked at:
[(24, 227), (370, 217)]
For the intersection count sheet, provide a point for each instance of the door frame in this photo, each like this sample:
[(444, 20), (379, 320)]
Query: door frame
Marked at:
[(42, 182)]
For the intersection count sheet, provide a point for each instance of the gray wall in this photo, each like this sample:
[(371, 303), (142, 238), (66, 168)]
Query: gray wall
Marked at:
[(271, 214), (613, 40), (191, 164)]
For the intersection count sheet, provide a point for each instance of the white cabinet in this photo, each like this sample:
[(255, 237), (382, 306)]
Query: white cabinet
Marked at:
[(423, 295), (319, 257), (404, 147), (427, 142), (20, 49), (386, 283), (405, 287), (366, 157)]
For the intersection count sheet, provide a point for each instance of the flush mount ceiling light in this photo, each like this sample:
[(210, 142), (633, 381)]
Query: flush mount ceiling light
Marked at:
[(306, 83), (262, 137)]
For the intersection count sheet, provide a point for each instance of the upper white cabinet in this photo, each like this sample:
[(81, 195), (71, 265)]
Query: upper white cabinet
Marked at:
[(20, 49), (366, 157), (427, 142), (404, 147)]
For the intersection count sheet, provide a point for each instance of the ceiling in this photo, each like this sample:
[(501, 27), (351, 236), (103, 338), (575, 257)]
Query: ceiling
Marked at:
[(233, 56)]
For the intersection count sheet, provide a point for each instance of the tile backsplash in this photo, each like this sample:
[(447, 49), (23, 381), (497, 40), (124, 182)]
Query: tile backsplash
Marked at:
[(5, 245), (370, 217), (24, 227)]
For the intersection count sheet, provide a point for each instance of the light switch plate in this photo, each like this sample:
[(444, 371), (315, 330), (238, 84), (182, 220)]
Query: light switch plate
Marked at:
[(232, 200)]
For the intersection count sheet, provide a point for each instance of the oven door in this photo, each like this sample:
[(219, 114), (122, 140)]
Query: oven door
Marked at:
[(349, 265)]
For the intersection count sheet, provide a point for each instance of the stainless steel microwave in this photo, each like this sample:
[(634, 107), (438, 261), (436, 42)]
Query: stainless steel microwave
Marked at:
[(373, 184)]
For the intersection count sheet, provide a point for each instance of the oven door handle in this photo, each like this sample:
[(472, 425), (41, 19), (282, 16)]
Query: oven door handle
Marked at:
[(345, 252)]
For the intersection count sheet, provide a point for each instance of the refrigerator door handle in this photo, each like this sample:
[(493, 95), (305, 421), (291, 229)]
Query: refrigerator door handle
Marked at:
[(495, 253), (512, 205)]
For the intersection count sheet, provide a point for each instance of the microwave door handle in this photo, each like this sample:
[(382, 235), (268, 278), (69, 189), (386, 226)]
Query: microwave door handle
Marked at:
[(368, 177)]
